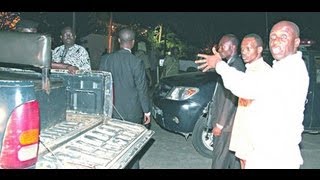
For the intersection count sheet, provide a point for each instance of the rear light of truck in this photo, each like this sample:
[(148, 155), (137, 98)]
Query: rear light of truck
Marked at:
[(21, 138)]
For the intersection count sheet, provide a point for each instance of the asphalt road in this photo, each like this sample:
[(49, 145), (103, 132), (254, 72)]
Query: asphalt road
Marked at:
[(168, 150)]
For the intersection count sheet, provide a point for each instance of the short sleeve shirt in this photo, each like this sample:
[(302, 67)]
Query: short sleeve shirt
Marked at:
[(75, 56)]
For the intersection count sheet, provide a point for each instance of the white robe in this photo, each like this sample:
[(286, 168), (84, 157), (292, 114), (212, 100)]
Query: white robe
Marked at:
[(240, 140), (275, 128)]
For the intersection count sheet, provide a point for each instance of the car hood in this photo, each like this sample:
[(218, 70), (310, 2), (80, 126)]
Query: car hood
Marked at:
[(194, 79)]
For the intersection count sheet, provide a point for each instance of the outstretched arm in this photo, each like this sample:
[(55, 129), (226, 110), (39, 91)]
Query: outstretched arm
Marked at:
[(209, 61)]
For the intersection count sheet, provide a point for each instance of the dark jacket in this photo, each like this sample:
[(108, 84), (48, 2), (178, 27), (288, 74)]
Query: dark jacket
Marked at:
[(224, 102), (224, 110), (130, 85)]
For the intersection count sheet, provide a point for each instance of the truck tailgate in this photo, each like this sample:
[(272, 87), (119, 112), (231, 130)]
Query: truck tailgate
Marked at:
[(109, 145)]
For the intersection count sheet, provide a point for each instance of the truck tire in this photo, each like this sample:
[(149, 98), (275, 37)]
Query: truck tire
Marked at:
[(201, 139)]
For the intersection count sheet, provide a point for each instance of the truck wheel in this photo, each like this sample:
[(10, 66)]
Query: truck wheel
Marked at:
[(201, 139)]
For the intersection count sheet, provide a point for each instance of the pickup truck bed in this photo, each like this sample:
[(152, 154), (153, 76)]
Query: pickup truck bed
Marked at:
[(111, 144), (76, 128), (71, 139)]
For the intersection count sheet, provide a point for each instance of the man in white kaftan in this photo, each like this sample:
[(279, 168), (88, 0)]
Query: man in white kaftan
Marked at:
[(251, 51)]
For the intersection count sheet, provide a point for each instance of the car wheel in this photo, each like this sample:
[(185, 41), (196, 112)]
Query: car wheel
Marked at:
[(202, 140)]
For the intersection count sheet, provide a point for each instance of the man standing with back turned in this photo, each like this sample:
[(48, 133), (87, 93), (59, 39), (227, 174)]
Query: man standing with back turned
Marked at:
[(130, 83)]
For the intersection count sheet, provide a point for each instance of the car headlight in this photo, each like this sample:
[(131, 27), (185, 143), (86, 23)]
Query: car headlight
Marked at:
[(181, 93)]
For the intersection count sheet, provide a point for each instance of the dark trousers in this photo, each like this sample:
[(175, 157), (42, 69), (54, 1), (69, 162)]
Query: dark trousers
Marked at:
[(222, 157)]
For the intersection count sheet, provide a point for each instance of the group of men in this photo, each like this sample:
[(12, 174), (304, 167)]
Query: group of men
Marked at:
[(266, 129), (257, 109)]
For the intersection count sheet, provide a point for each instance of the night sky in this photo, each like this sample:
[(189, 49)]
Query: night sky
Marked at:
[(205, 28), (200, 28)]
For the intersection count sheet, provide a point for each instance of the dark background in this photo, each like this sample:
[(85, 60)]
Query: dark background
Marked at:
[(198, 28)]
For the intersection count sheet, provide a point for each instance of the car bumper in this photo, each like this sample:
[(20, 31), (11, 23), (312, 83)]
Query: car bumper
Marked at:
[(180, 120)]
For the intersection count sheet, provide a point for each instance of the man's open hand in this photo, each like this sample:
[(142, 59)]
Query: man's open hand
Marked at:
[(208, 61)]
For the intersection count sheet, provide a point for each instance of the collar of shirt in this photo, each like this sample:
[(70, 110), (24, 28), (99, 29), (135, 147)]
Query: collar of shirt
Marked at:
[(228, 61), (287, 59), (231, 59), (252, 64), (127, 49), (64, 47)]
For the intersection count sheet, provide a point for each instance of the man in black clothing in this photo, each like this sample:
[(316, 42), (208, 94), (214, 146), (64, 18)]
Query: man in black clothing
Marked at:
[(129, 81), (224, 107)]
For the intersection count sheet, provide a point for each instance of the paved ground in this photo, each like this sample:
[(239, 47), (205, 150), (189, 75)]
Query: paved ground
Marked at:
[(311, 151), (172, 151)]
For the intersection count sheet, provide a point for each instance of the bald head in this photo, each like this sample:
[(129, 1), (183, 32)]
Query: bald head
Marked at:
[(290, 25), (284, 39), (126, 35), (126, 38)]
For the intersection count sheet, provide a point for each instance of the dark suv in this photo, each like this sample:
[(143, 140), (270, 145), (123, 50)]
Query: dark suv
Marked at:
[(180, 103)]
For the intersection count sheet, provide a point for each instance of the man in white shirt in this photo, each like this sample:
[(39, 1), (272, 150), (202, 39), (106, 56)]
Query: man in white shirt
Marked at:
[(276, 122), (251, 51)]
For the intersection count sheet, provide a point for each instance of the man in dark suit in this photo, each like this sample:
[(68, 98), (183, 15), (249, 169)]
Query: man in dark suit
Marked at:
[(224, 107), (129, 82)]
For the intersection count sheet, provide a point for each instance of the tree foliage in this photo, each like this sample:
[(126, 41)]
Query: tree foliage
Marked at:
[(161, 36), (8, 20)]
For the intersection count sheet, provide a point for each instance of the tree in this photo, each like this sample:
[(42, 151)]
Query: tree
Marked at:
[(8, 20)]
